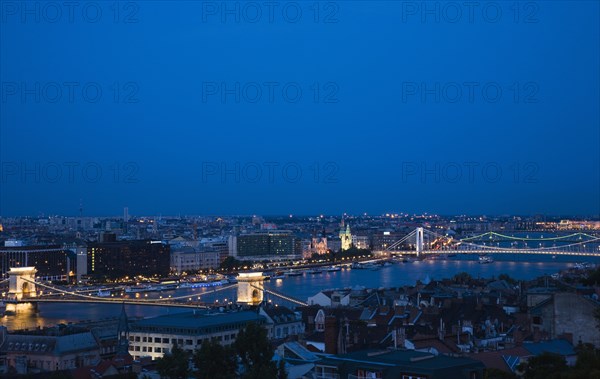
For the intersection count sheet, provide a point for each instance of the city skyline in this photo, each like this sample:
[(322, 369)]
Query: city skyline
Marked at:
[(589, 216)]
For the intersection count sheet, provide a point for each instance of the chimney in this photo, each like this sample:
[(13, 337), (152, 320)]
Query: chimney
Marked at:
[(401, 337), (331, 334)]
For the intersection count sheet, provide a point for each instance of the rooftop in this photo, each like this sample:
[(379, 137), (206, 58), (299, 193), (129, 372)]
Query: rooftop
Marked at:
[(557, 346), (49, 344), (199, 319), (397, 363)]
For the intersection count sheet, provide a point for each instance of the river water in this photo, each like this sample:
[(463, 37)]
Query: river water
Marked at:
[(301, 287)]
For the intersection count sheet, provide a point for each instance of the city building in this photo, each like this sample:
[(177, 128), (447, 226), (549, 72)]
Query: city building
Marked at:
[(281, 322), (508, 360), (334, 244), (155, 336), (319, 245), (13, 243), (307, 250), (52, 262), (113, 260), (218, 245), (405, 364), (565, 315), (271, 244), (80, 262), (189, 259), (232, 246), (383, 239), (360, 242), (330, 298), (40, 352)]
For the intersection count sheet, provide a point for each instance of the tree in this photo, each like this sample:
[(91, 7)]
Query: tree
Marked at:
[(256, 353), (462, 278), (174, 365), (588, 362), (507, 279), (214, 361), (281, 373), (230, 263), (597, 317), (494, 373), (544, 366), (593, 278)]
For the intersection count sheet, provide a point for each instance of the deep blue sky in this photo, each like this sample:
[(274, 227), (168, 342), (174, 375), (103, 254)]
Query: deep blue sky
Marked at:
[(378, 144)]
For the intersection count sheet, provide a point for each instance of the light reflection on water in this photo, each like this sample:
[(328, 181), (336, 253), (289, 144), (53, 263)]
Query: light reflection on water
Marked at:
[(300, 287)]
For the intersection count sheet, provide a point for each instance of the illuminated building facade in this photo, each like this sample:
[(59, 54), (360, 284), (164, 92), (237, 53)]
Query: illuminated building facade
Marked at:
[(269, 244), (51, 262), (346, 237), (113, 260)]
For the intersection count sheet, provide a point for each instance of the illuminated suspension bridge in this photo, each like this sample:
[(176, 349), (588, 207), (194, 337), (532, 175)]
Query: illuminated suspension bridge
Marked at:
[(23, 289), (422, 241)]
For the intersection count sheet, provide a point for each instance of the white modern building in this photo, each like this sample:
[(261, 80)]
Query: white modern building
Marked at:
[(155, 336)]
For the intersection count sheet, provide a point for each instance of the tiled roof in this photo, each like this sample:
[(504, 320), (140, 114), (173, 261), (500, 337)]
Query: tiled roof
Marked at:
[(505, 360), (34, 344)]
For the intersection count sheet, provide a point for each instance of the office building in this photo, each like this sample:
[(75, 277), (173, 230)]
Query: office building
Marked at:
[(271, 244), (188, 259), (113, 260), (155, 336), (52, 262)]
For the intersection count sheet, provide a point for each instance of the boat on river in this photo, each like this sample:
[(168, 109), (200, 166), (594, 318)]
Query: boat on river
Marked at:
[(103, 292), (292, 272), (485, 259)]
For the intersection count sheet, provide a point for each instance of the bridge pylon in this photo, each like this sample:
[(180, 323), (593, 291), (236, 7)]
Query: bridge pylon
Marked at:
[(21, 283), (250, 288), (419, 241)]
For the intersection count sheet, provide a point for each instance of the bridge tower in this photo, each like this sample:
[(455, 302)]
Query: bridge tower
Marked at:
[(419, 241), (250, 288), (21, 283)]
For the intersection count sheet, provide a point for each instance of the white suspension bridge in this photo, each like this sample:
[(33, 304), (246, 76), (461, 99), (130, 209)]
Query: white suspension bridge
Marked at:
[(422, 241)]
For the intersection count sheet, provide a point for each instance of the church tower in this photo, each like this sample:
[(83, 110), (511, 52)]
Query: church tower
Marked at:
[(346, 237)]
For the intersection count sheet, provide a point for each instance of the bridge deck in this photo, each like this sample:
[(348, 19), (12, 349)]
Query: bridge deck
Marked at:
[(106, 301), (484, 251)]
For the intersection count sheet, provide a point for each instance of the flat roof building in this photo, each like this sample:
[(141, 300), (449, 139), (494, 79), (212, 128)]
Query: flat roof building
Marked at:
[(51, 261), (269, 244), (155, 336), (113, 260)]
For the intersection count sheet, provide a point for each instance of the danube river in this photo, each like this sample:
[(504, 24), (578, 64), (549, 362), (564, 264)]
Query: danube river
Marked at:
[(301, 287)]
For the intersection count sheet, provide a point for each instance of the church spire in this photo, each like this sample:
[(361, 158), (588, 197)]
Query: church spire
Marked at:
[(123, 333)]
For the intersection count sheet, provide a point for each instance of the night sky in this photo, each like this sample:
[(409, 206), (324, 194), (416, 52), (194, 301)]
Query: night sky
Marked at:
[(199, 107)]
